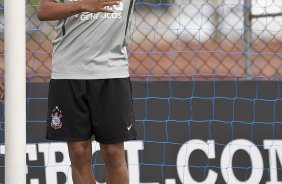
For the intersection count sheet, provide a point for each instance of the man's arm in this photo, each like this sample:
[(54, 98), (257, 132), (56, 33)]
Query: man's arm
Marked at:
[(50, 10)]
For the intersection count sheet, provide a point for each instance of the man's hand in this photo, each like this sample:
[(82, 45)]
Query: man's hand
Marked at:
[(51, 10), (94, 6)]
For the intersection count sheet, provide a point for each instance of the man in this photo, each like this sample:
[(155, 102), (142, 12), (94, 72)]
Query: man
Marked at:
[(90, 89)]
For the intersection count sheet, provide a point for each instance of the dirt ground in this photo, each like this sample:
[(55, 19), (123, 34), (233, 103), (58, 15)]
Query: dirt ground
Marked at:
[(177, 60)]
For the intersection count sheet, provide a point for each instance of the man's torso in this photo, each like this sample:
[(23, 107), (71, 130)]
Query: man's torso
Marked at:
[(92, 46)]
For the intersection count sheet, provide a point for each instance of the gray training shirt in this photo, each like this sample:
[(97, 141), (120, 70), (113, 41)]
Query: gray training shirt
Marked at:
[(92, 46)]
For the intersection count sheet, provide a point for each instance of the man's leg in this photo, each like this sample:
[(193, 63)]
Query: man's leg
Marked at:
[(80, 154), (114, 158)]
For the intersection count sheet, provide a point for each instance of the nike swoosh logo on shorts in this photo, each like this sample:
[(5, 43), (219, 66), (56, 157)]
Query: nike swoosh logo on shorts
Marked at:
[(128, 128)]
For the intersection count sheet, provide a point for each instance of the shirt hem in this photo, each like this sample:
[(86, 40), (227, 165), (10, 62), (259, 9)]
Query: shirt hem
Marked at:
[(88, 77)]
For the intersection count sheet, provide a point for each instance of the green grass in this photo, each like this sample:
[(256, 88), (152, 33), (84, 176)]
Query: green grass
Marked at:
[(32, 2)]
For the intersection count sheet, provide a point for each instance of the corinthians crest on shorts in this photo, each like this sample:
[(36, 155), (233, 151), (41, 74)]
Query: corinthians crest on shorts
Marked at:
[(56, 115)]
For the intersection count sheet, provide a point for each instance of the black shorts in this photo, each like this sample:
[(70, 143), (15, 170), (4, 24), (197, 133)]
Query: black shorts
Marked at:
[(79, 109)]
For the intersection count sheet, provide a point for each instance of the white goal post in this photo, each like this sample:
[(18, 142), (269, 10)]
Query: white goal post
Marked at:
[(15, 91)]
